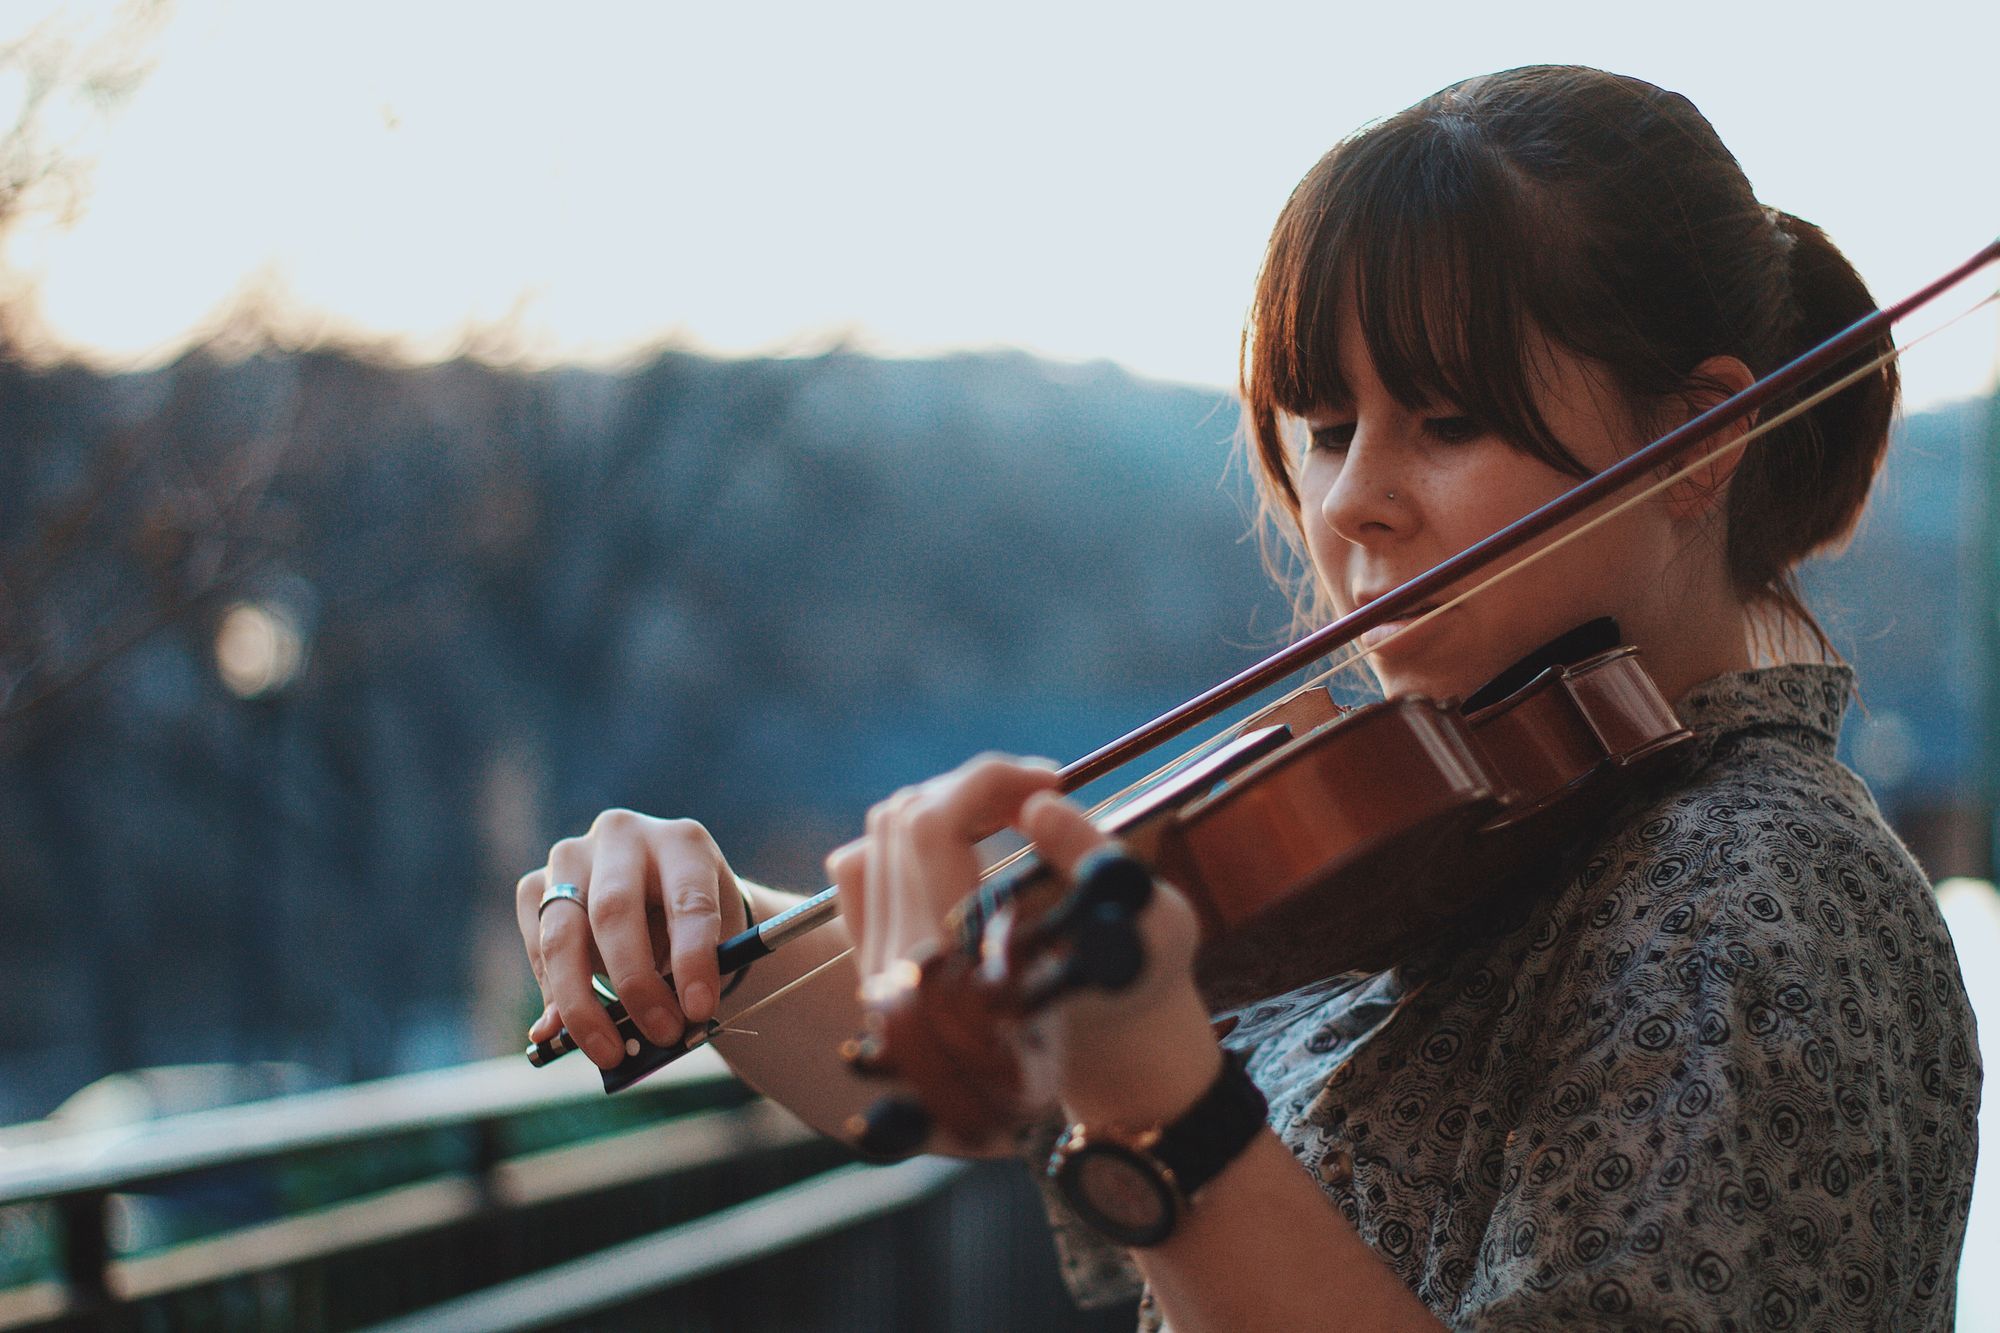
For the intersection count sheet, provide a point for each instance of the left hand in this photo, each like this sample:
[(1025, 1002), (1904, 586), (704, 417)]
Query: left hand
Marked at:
[(1133, 1053)]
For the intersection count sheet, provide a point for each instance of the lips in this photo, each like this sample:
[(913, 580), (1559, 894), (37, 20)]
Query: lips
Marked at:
[(1370, 598), (1384, 630)]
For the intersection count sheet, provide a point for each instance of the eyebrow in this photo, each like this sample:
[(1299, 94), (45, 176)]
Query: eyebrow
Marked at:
[(1342, 403)]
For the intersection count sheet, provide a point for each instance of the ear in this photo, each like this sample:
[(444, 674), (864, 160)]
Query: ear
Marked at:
[(1703, 491)]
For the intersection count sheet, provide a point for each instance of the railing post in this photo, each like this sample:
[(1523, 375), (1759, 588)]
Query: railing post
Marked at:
[(489, 1149), (496, 1253), (86, 1248)]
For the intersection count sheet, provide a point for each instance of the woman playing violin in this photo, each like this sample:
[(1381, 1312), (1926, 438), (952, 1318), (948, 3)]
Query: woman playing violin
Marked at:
[(1719, 1069)]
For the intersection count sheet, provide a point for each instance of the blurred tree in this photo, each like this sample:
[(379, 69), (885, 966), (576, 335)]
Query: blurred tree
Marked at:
[(759, 592), (60, 77), (59, 623)]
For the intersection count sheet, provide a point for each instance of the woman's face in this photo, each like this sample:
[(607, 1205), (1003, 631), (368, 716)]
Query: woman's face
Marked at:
[(1386, 492)]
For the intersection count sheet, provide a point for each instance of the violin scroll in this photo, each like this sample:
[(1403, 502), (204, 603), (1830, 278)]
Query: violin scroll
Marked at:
[(940, 1017)]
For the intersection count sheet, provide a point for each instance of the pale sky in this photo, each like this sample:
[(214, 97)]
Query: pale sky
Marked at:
[(1084, 181)]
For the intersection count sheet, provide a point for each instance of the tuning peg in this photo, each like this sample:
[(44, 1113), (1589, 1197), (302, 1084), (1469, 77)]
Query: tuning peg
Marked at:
[(1110, 875), (1105, 950), (1107, 877)]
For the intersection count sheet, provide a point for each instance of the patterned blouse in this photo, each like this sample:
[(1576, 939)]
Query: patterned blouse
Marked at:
[(1725, 1078)]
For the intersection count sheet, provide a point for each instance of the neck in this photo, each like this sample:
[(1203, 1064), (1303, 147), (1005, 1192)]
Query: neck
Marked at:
[(1703, 639)]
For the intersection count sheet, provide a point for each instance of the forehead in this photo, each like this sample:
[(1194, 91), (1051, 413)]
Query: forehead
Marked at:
[(1413, 335), (1352, 375), (1413, 252)]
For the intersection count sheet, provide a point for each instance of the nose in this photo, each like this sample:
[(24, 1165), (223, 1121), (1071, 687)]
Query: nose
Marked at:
[(1365, 504)]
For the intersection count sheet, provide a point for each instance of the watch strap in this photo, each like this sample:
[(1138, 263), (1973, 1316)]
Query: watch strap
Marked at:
[(1209, 1135), (1175, 1160)]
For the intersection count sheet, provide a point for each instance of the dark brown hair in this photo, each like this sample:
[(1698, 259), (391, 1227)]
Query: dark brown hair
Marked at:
[(1593, 210)]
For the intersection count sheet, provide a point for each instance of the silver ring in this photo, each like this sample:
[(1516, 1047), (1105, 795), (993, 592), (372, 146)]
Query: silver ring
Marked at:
[(560, 893)]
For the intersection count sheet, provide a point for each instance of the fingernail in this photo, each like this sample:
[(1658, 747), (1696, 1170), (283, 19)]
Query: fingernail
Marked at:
[(660, 1025), (698, 1001), (603, 1052)]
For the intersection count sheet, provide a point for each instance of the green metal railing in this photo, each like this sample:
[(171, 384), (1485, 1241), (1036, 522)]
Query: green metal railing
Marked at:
[(495, 1196)]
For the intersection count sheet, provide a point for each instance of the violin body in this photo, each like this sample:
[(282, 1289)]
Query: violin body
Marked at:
[(1499, 791), (1318, 842)]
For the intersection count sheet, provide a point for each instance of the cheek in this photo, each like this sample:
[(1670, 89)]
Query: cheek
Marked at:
[(1326, 548), (1488, 489), (1313, 485)]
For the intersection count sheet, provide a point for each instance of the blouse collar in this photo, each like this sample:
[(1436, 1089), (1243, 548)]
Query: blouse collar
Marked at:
[(1807, 698)]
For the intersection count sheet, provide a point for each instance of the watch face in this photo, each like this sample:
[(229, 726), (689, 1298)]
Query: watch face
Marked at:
[(1119, 1193)]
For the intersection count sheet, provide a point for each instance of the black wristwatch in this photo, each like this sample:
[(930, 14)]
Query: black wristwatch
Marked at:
[(1132, 1186)]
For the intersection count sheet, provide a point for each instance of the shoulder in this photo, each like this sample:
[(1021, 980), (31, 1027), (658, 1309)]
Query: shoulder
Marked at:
[(1763, 880), (1743, 1019), (1762, 838)]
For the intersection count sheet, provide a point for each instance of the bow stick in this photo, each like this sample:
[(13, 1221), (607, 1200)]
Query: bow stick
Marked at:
[(1670, 450)]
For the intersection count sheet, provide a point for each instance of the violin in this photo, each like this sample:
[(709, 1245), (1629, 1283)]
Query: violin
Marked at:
[(1316, 841), (1417, 801), (1302, 809)]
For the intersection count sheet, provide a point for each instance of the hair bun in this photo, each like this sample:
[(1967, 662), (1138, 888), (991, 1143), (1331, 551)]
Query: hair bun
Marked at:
[(1782, 224), (1834, 453)]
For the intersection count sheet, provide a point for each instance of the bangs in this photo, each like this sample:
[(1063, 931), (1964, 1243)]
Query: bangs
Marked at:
[(1429, 237)]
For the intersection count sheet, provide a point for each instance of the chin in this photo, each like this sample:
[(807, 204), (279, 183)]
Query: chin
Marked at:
[(1397, 681), (1424, 663)]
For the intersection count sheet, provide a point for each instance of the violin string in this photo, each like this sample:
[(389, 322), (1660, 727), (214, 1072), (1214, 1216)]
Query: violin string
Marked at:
[(988, 900), (1097, 808), (1179, 761), (727, 1026), (1354, 658), (1196, 753), (1182, 760)]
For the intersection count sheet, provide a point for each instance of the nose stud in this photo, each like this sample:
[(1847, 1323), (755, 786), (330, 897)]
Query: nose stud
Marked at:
[(1392, 495)]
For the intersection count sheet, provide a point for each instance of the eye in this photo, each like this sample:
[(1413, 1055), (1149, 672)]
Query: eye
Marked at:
[(1453, 429), (1332, 438)]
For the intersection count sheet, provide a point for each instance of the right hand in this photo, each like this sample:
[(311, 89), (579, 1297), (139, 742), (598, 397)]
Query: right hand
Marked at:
[(659, 897)]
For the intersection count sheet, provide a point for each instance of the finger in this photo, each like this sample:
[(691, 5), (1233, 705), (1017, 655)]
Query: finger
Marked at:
[(544, 1027), (1062, 834), (877, 900), (576, 1002), (690, 871), (928, 865), (568, 958), (933, 860), (845, 858), (980, 797), (845, 870), (1169, 927), (620, 884), (527, 902)]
